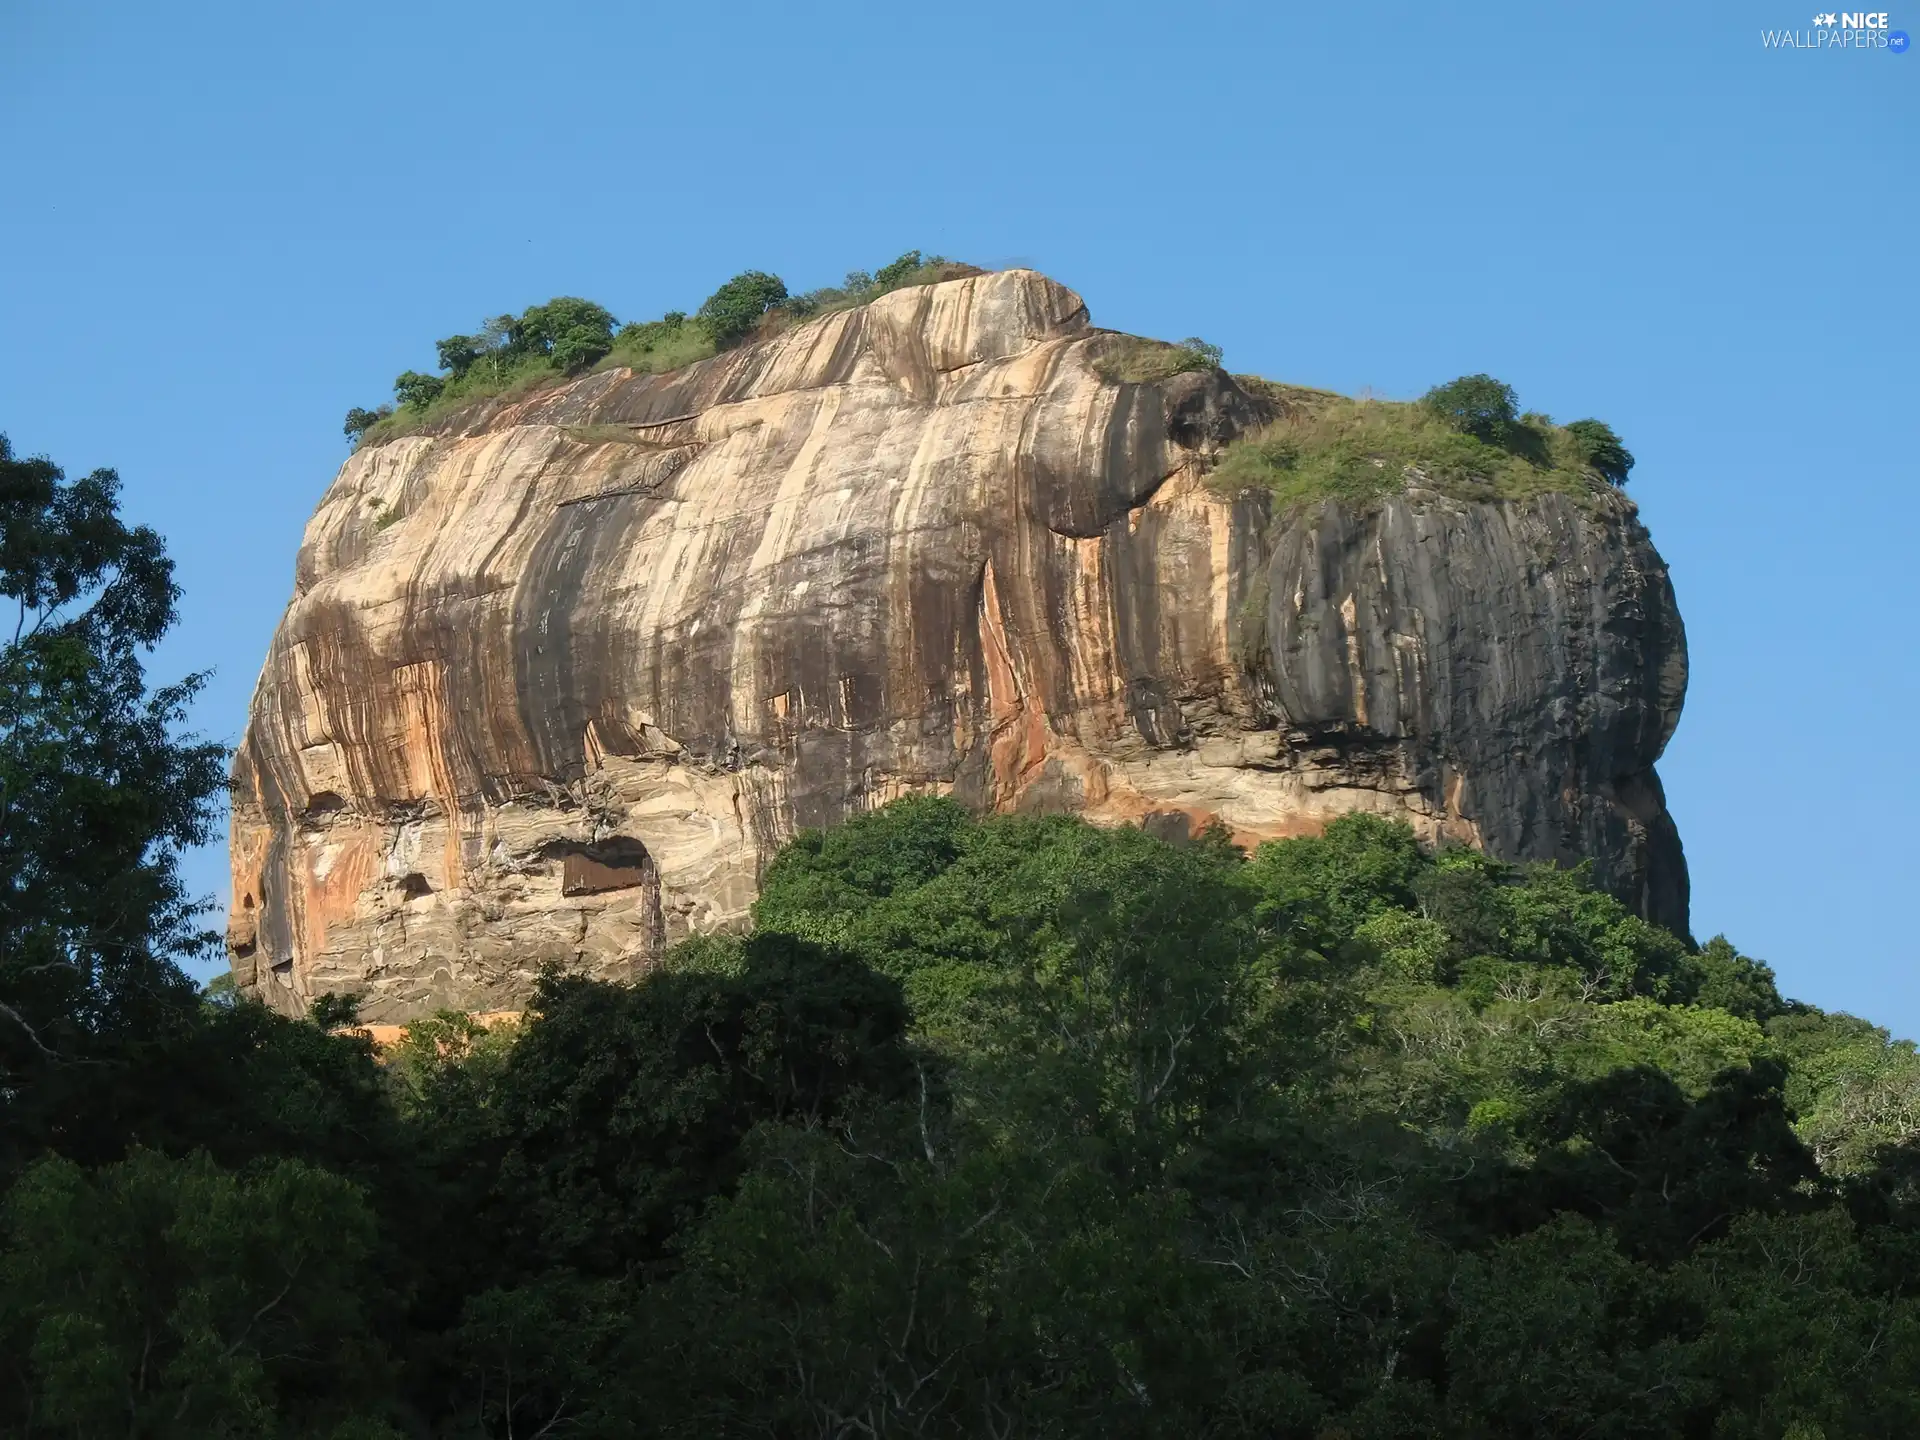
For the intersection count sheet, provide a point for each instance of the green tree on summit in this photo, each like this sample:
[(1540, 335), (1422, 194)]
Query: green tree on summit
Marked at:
[(566, 334), (360, 420), (570, 333), (1476, 405), (417, 391), (1604, 452), (730, 313)]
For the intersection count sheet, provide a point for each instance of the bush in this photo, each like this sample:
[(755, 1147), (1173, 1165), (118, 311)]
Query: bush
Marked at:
[(894, 274), (730, 313), (417, 391), (1604, 452), (1208, 356), (360, 421), (654, 347), (1476, 405)]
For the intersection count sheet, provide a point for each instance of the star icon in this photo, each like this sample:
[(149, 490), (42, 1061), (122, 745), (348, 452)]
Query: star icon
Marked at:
[(1829, 19)]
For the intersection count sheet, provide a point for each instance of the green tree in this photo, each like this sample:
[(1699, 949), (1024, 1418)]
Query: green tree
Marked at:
[(162, 1297), (1719, 976), (731, 312), (1324, 887), (360, 421), (99, 792), (1560, 1334), (417, 391), (457, 353), (1663, 1171), (553, 1356), (621, 1111), (1602, 449), (895, 272), (1476, 405), (1205, 356), (1003, 1244), (569, 332), (1800, 1335)]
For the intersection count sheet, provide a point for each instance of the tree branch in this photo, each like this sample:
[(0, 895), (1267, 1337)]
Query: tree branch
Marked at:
[(33, 1036)]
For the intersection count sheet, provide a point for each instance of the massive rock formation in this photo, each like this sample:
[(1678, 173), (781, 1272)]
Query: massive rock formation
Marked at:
[(560, 674)]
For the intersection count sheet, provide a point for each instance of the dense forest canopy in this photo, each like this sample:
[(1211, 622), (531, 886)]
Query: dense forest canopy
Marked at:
[(1003, 1127)]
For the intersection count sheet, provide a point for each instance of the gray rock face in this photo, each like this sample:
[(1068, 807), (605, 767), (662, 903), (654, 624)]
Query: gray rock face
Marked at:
[(561, 673), (1522, 664)]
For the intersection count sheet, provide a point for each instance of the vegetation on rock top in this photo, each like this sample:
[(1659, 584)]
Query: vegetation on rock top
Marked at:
[(1134, 360), (545, 344), (1466, 439)]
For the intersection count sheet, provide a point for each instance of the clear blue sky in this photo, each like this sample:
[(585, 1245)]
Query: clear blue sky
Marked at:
[(221, 225)]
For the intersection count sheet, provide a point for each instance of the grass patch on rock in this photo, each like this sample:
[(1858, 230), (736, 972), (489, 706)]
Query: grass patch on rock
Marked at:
[(1331, 447), (656, 347), (608, 435), (1133, 360)]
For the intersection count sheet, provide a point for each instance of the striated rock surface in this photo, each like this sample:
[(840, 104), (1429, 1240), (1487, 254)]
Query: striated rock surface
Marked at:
[(559, 677)]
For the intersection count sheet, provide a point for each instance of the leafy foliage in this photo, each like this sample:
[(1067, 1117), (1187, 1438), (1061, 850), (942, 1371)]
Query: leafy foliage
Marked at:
[(171, 1297), (566, 333), (98, 793), (1476, 405), (730, 314), (417, 391), (359, 421), (570, 333), (1602, 449), (900, 271), (656, 346), (1022, 1126), (675, 1074)]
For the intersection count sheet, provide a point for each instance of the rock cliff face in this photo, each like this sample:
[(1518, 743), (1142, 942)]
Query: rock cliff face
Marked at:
[(558, 677)]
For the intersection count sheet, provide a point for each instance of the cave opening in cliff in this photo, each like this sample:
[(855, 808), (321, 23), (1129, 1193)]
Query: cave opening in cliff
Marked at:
[(618, 862), (321, 804)]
